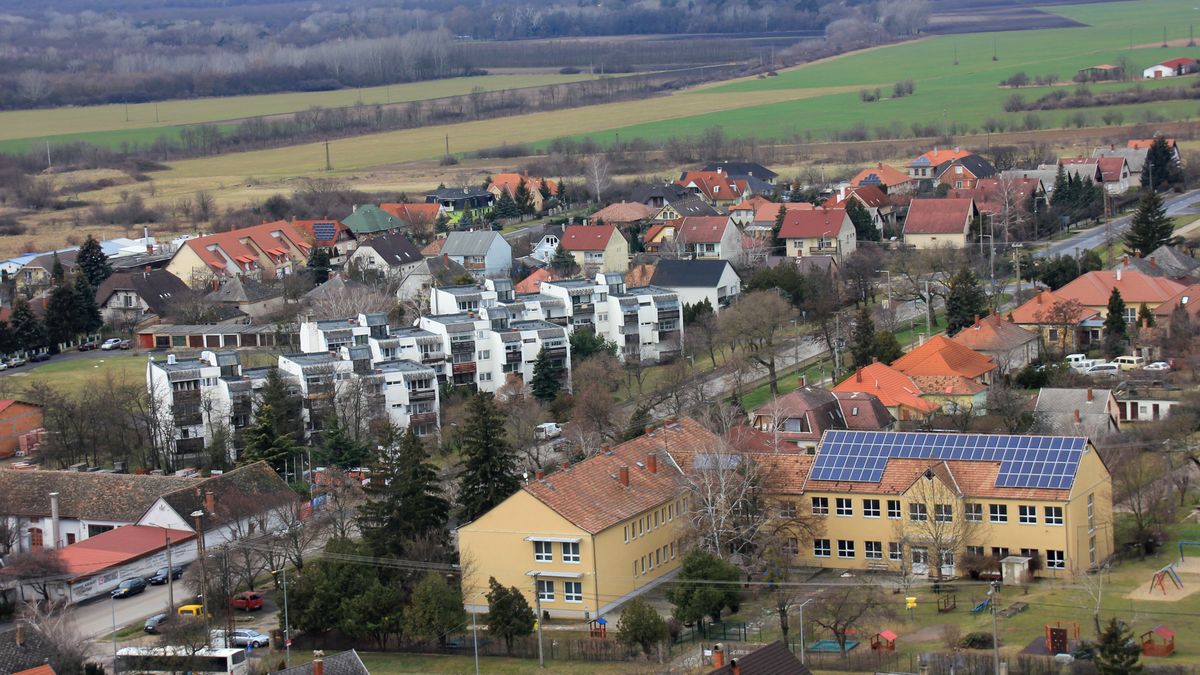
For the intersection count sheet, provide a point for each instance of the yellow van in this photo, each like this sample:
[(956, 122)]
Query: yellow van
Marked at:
[(191, 610), (1130, 362)]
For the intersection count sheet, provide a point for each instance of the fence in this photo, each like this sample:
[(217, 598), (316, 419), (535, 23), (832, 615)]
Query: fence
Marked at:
[(572, 649)]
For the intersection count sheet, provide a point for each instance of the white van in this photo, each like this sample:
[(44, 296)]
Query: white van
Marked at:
[(1083, 365), (1130, 362), (547, 431), (1103, 370), (1074, 359)]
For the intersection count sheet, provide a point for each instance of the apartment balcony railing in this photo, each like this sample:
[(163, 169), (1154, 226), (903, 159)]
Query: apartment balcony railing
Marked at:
[(423, 418), (461, 368), (420, 394)]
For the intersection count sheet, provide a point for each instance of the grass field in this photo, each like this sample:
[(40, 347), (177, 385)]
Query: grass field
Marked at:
[(107, 125), (73, 375)]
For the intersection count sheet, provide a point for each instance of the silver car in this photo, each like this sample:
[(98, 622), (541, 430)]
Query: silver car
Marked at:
[(247, 637)]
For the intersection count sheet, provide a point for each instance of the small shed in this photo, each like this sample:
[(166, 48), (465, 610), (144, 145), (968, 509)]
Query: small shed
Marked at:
[(884, 641), (1153, 647), (1015, 569)]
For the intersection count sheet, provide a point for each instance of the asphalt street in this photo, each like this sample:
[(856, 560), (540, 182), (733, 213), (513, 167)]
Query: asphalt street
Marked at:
[(95, 617), (1088, 239)]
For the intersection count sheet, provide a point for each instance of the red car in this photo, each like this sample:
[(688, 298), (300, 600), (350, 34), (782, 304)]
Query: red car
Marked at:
[(247, 601)]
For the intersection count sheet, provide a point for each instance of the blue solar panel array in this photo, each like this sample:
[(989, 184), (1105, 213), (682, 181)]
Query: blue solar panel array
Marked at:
[(323, 231), (1025, 461)]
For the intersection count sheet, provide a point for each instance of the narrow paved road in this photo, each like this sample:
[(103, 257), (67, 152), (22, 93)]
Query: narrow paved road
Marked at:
[(1088, 239), (95, 617)]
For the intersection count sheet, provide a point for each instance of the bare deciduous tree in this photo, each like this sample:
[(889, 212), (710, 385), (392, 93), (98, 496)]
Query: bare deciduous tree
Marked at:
[(937, 520), (755, 325), (38, 569), (54, 622), (842, 608), (597, 175)]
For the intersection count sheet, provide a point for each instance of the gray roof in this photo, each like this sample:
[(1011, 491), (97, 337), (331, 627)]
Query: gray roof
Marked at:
[(1047, 176), (33, 651), (157, 288), (1054, 413), (342, 663), (320, 359), (336, 284), (478, 242), (404, 366), (395, 249), (1164, 261), (688, 273), (235, 493), (237, 289), (1134, 156), (742, 170), (116, 497), (693, 206)]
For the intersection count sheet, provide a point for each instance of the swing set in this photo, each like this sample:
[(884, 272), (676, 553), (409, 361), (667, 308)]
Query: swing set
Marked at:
[(1161, 576)]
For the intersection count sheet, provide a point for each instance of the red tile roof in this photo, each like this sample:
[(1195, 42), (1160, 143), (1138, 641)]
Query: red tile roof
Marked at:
[(624, 212), (1036, 310), (1177, 62), (938, 216), (533, 282), (587, 237), (868, 195), (116, 547), (989, 193), (947, 385), (942, 356), (590, 494), (1094, 288), (715, 185), (937, 156), (1189, 297), (40, 670), (509, 182), (752, 204), (246, 246), (892, 387), (812, 224), (880, 174), (1111, 168), (434, 247), (701, 229), (993, 333), (413, 214), (1145, 143), (306, 228)]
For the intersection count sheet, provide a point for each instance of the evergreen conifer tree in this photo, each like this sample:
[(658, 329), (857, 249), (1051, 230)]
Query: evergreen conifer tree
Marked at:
[(490, 472), (57, 272), (544, 189), (563, 263), (1145, 317), (87, 312), (1117, 653), (28, 334), (778, 246), (862, 341), (524, 198), (263, 443), (1060, 183), (1160, 165), (1150, 226), (61, 314), (965, 302), (1115, 328), (93, 262), (547, 378), (506, 207), (864, 226), (405, 500), (318, 264)]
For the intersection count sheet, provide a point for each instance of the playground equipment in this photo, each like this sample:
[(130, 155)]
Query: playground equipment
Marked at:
[(1160, 577), (982, 606), (1164, 648), (947, 603), (831, 646), (1060, 635), (1186, 543), (884, 640), (598, 628)]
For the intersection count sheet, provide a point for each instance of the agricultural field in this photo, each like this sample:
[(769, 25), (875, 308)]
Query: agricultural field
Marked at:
[(107, 125)]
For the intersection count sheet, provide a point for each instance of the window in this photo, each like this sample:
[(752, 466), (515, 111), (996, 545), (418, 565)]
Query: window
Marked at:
[(655, 518), (845, 507), (651, 560), (1029, 552), (1027, 515), (485, 354), (821, 548), (998, 513), (920, 555), (671, 511), (793, 547), (1091, 514), (665, 556), (974, 513), (943, 513), (871, 508), (873, 550), (570, 551), (543, 551), (845, 548), (657, 556), (635, 568), (894, 509), (644, 564), (672, 550), (999, 552), (71, 537), (35, 538), (573, 591), (895, 551), (545, 591), (975, 550), (820, 506), (787, 509), (1092, 550), (918, 513), (947, 557), (626, 534)]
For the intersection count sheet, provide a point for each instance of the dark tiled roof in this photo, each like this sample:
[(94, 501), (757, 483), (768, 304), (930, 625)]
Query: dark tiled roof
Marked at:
[(33, 652), (237, 289), (688, 273), (342, 663), (254, 486), (773, 659), (98, 496), (742, 170), (158, 288), (395, 249), (671, 193)]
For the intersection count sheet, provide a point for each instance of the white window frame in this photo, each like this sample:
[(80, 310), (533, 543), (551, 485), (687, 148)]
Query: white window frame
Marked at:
[(821, 548), (943, 513), (871, 508), (573, 591), (846, 549), (844, 506), (895, 551), (974, 512), (1056, 560), (893, 509), (873, 550), (997, 513), (570, 557), (543, 551), (820, 506), (1027, 514), (918, 512), (545, 589)]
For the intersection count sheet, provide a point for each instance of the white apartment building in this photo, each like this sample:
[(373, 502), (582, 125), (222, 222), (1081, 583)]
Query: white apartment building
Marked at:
[(196, 396), (410, 396), (645, 322), (332, 335)]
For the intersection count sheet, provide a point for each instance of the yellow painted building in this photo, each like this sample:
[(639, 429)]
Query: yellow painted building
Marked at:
[(597, 248), (589, 536)]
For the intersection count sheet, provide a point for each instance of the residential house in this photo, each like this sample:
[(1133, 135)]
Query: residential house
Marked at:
[(23, 650), (1093, 289), (965, 171), (1113, 172), (487, 347), (742, 213), (1134, 157), (896, 391), (1145, 143), (743, 170), (410, 395), (547, 245), (695, 281), (483, 253), (391, 255), (871, 198), (429, 273), (1005, 199), (266, 251), (1183, 65), (328, 234), (247, 296), (457, 201), (510, 183), (590, 536), (1045, 175), (949, 374), (533, 282), (17, 419), (192, 397), (623, 215), (596, 248), (1077, 412), (682, 208), (646, 322), (128, 298), (1010, 346), (1188, 299), (1165, 261), (715, 187), (796, 421), (38, 272), (1084, 169), (939, 223), (818, 232), (1141, 401), (772, 659), (891, 180), (880, 495), (707, 238), (927, 166), (415, 218), (657, 196), (1059, 322), (341, 663), (864, 412)]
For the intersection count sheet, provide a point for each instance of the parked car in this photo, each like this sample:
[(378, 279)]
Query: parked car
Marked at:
[(16, 362), (39, 357), (547, 431), (153, 622), (1103, 370), (1158, 366), (160, 577), (247, 601), (111, 344), (129, 587), (88, 346), (1130, 362), (240, 637), (1082, 366), (126, 344), (190, 610)]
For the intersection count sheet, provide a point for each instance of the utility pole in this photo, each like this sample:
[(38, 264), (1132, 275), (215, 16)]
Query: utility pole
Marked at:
[(994, 596), (156, 113), (170, 575), (287, 635), (928, 311), (447, 145), (204, 599), (1017, 264), (328, 165), (537, 599), (48, 164)]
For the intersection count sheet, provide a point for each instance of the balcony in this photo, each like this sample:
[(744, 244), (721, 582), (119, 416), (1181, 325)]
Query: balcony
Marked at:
[(186, 396), (632, 338), (556, 352), (187, 418), (668, 313), (475, 266), (420, 394), (583, 308), (463, 368), (827, 249), (630, 329), (423, 418), (512, 357), (433, 357), (465, 347), (189, 446)]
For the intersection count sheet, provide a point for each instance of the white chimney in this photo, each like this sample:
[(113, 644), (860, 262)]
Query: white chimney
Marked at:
[(170, 359), (54, 520), (1118, 274)]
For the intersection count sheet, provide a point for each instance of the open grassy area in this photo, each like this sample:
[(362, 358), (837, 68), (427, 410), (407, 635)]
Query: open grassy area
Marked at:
[(108, 125), (73, 375)]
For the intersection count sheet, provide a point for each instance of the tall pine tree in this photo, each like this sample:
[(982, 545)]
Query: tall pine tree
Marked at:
[(57, 271), (1150, 226), (778, 246), (264, 443), (1115, 327), (61, 315), (87, 312), (405, 500), (93, 262), (490, 472), (965, 302), (563, 263), (1160, 168), (318, 264), (862, 341), (864, 226), (524, 198), (547, 378), (28, 334)]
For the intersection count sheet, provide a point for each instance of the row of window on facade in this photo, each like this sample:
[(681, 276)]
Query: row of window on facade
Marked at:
[(652, 521), (919, 555), (1027, 514), (572, 591)]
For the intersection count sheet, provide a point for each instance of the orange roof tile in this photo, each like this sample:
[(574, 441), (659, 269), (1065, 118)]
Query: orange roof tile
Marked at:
[(307, 229), (116, 547), (938, 216), (993, 333), (413, 214), (1037, 309), (533, 282), (639, 275), (880, 174), (948, 385), (868, 195), (1094, 288), (247, 246), (589, 493), (1145, 143), (624, 212), (942, 356), (937, 157), (715, 185), (892, 387), (702, 229), (434, 247), (752, 204), (1189, 297), (509, 182), (587, 237), (812, 224)]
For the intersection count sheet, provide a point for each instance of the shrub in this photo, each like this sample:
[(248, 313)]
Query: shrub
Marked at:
[(977, 640), (569, 70)]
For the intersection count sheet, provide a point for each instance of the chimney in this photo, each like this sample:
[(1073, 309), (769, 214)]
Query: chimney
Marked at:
[(1091, 396), (1153, 262), (146, 240), (564, 465), (803, 381), (648, 430), (604, 449), (539, 474), (1078, 419), (170, 359), (1039, 298), (55, 523), (210, 504), (652, 462), (733, 665), (718, 657), (623, 475), (318, 667), (1118, 274), (19, 637), (858, 375)]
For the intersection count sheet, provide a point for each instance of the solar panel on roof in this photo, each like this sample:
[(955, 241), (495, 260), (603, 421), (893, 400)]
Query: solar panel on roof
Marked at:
[(1025, 461), (323, 231)]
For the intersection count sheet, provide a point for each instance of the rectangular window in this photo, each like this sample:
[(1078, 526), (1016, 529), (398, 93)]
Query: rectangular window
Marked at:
[(657, 556), (644, 564), (573, 591), (820, 506), (821, 548), (895, 551), (672, 550), (845, 548), (1029, 552), (626, 534), (787, 509), (920, 555), (570, 551), (1092, 550), (545, 591), (975, 550), (999, 552), (670, 512), (635, 569), (998, 513), (1027, 515), (918, 513), (845, 507), (873, 550), (974, 513), (894, 509), (656, 518), (1091, 514), (1056, 560), (793, 547), (543, 551), (665, 556), (871, 508), (943, 513)]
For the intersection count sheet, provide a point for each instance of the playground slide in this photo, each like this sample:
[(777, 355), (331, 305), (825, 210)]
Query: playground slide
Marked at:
[(981, 606)]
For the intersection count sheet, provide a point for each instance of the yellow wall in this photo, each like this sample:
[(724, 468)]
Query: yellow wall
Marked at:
[(923, 241), (495, 546), (184, 264), (616, 255)]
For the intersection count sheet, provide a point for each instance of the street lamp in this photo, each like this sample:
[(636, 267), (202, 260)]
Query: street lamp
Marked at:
[(112, 601), (287, 635), (802, 629), (992, 258), (993, 595)]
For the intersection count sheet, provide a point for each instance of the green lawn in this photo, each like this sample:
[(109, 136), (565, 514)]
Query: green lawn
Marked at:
[(75, 374)]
